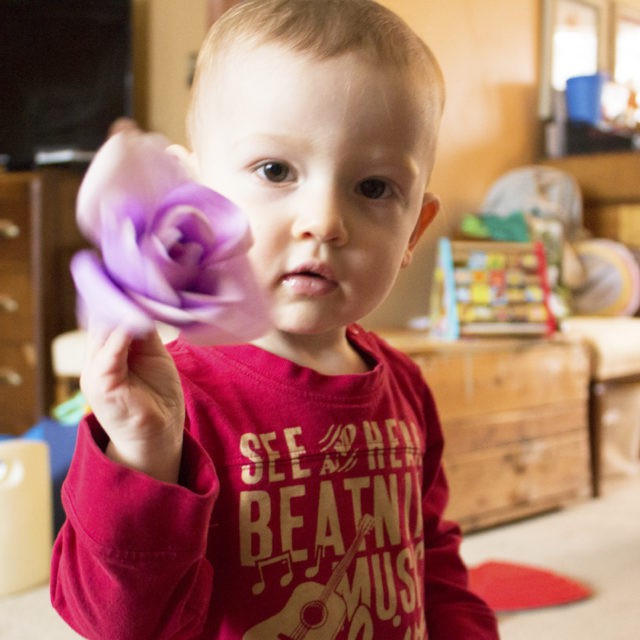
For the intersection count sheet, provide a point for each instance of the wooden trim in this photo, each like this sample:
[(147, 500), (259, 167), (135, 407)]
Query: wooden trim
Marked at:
[(215, 8), (604, 177)]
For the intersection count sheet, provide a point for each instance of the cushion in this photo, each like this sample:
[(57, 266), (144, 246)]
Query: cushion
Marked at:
[(614, 342)]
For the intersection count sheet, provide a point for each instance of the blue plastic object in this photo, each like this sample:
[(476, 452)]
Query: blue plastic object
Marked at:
[(584, 98)]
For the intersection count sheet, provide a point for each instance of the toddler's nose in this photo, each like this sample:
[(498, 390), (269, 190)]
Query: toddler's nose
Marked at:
[(321, 217)]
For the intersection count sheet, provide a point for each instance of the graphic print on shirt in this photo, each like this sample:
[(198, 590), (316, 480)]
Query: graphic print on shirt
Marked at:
[(318, 610), (360, 484)]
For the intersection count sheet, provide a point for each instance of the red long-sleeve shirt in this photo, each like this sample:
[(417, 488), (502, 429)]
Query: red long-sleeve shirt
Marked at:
[(309, 506)]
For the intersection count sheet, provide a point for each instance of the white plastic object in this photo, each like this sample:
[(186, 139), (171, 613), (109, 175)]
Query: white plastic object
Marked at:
[(26, 514)]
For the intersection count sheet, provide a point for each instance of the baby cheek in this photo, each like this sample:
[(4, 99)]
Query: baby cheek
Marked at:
[(256, 260), (263, 257), (375, 270)]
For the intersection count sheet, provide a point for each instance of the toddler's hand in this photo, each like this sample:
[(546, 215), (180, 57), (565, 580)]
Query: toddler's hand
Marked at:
[(133, 388)]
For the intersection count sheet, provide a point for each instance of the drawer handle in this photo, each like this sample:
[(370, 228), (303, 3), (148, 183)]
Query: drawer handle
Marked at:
[(8, 305), (10, 377), (9, 230)]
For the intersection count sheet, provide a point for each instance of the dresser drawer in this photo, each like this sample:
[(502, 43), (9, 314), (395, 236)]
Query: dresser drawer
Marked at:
[(521, 478), (15, 218), (16, 304), (18, 400), (38, 234)]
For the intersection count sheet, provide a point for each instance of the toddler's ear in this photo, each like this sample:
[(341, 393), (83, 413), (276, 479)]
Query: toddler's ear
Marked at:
[(186, 157), (430, 208)]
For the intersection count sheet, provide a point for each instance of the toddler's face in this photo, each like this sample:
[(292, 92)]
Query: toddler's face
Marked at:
[(329, 159)]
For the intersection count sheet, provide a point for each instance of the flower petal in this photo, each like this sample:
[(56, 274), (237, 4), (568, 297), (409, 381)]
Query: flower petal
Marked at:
[(130, 164), (132, 265), (101, 301), (230, 225), (240, 312), (237, 314)]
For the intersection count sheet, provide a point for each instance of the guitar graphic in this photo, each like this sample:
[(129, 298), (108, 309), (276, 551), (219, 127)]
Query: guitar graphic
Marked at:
[(314, 611)]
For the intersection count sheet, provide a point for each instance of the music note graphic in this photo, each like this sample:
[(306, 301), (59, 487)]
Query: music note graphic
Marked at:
[(312, 571), (314, 611), (285, 578)]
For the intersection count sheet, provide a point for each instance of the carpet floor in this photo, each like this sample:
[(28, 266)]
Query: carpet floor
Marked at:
[(596, 542)]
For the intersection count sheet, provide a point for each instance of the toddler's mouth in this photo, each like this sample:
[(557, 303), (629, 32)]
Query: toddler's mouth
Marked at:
[(310, 280)]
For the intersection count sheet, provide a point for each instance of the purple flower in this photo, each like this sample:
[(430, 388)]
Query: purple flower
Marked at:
[(171, 250)]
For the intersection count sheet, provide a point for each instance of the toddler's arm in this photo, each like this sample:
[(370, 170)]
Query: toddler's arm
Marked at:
[(130, 561), (453, 611), (133, 389)]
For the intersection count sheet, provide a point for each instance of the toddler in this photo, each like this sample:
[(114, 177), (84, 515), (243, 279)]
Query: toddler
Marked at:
[(292, 487)]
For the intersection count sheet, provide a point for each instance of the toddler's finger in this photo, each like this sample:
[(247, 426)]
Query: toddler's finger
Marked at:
[(105, 348)]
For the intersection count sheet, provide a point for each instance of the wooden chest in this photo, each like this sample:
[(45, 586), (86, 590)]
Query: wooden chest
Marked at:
[(514, 415)]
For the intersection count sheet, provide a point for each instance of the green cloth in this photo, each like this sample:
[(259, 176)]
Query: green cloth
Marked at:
[(511, 228)]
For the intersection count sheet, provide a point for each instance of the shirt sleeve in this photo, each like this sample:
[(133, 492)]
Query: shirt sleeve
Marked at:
[(130, 560), (453, 611)]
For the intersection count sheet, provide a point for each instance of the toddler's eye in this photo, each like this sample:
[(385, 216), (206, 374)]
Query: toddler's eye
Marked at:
[(373, 188), (274, 171)]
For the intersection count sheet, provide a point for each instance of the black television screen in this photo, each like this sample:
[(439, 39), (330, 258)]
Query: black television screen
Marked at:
[(65, 76)]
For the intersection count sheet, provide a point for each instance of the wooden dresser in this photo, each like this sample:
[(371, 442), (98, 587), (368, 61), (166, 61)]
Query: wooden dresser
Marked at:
[(515, 421), (38, 235)]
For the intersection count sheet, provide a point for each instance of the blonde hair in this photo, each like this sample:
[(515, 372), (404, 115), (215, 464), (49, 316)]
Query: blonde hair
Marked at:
[(321, 29)]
